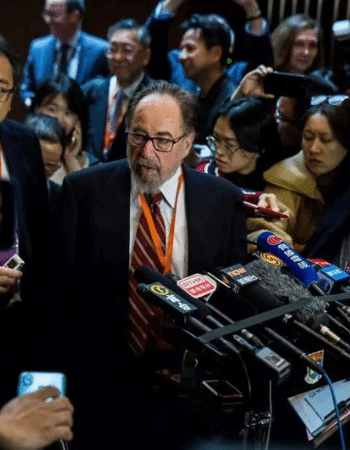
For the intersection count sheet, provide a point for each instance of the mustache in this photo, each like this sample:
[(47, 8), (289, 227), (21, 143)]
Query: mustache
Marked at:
[(142, 162)]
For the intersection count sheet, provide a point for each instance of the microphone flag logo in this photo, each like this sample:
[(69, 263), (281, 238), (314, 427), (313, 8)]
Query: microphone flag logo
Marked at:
[(269, 258), (274, 240), (159, 289)]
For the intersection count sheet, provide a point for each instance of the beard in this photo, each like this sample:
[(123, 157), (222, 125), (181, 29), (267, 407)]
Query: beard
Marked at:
[(148, 182), (146, 175)]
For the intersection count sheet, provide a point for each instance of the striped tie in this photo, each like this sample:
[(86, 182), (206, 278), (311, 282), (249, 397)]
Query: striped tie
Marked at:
[(143, 317)]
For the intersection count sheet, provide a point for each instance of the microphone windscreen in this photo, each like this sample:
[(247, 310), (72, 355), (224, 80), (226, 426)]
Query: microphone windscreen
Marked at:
[(288, 289)]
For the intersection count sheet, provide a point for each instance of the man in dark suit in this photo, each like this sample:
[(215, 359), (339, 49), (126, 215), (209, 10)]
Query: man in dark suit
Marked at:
[(21, 162), (128, 57), (67, 49), (99, 221)]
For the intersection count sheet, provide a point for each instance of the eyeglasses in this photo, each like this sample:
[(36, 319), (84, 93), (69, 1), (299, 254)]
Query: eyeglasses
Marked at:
[(228, 145), (124, 51), (333, 100), (159, 143), (5, 94)]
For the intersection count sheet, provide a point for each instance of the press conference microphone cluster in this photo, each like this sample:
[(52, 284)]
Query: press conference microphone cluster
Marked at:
[(265, 285), (329, 279), (193, 316)]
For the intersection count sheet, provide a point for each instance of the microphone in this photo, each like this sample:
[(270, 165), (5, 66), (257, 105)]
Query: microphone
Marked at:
[(312, 316), (182, 310), (246, 283), (180, 305), (289, 290), (299, 267), (299, 353), (332, 279), (144, 274), (286, 287)]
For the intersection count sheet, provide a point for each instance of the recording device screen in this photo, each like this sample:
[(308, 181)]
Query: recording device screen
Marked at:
[(7, 215), (285, 84)]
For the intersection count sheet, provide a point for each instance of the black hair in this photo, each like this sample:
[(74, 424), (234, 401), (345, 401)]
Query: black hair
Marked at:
[(215, 30), (71, 91), (185, 99), (10, 54), (252, 121), (72, 5), (47, 128), (133, 25), (338, 117)]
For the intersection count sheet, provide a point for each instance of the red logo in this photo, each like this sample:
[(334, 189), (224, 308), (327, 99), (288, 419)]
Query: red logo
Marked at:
[(274, 240)]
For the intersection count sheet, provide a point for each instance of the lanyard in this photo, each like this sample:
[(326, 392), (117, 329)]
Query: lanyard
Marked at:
[(164, 259), (110, 130)]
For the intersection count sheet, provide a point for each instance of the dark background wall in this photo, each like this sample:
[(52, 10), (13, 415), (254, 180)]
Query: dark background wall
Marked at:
[(21, 20)]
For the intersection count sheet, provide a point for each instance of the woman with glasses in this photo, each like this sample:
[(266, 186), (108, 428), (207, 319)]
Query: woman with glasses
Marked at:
[(61, 97), (313, 181), (244, 143)]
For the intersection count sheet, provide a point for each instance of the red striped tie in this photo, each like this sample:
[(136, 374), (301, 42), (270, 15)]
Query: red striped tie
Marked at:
[(143, 316)]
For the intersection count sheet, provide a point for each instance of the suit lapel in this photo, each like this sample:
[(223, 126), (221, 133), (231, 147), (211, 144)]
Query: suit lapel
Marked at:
[(17, 170), (203, 222), (100, 115), (83, 62), (112, 216), (197, 215), (48, 60)]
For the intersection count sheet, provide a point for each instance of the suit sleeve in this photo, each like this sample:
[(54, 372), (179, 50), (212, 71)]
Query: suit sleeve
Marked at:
[(258, 50), (159, 66), (27, 88), (61, 309)]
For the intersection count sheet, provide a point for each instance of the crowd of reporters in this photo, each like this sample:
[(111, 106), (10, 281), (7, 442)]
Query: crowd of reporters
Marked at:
[(294, 148)]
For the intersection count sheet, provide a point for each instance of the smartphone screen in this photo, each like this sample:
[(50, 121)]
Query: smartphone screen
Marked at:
[(285, 85), (32, 381)]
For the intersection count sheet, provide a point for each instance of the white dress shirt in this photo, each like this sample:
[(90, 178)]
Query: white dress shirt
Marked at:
[(179, 263)]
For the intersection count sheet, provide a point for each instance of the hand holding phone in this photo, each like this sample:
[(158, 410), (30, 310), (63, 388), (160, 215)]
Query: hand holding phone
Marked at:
[(265, 212), (50, 414)]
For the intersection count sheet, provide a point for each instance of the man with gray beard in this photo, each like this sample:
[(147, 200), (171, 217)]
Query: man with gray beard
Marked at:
[(105, 350)]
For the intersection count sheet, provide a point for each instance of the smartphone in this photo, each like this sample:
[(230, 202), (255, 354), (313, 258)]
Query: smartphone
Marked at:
[(259, 210), (32, 381), (283, 84)]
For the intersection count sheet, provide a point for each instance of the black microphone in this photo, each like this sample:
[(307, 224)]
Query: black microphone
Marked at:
[(247, 284), (180, 304), (144, 274), (299, 353)]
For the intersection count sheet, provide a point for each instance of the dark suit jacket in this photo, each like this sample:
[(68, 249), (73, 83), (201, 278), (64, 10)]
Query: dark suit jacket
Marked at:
[(24, 162), (96, 94), (41, 58), (93, 310)]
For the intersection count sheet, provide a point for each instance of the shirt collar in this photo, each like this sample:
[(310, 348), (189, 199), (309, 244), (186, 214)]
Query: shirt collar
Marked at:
[(168, 188), (130, 90), (72, 43)]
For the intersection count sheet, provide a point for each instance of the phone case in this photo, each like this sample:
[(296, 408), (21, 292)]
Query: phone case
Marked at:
[(32, 381)]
